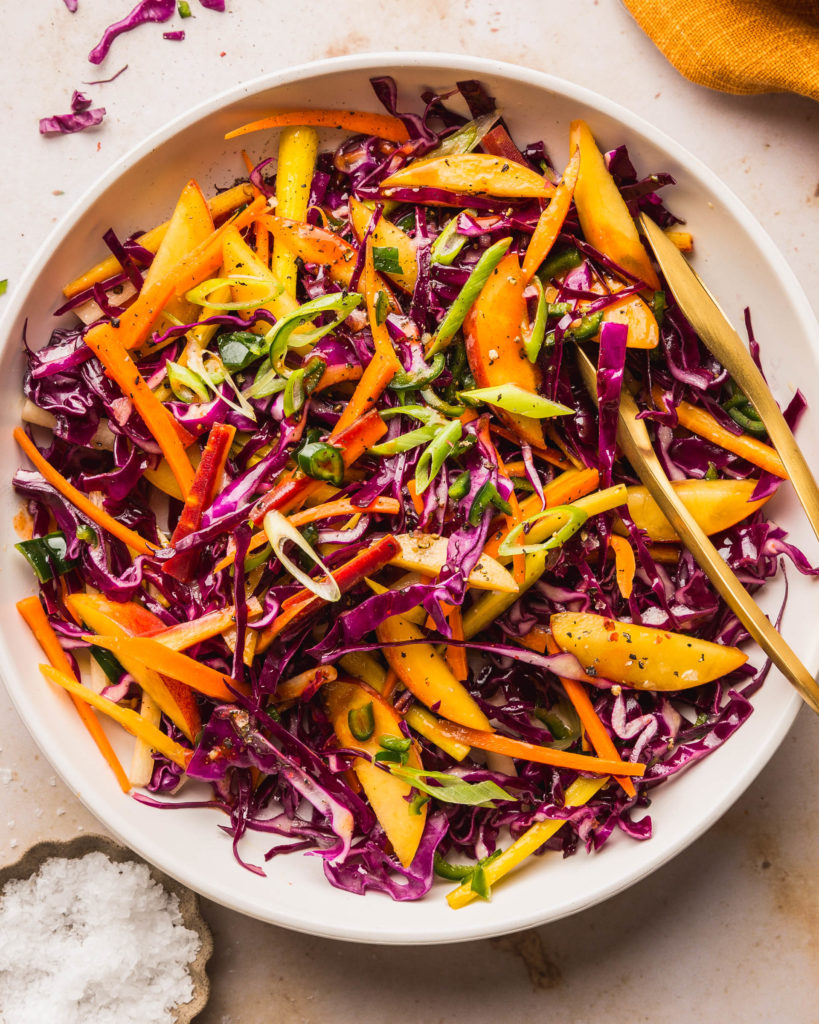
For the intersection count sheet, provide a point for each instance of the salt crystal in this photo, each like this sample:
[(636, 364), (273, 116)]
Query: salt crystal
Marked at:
[(52, 780), (13, 843), (7, 775), (60, 812), (90, 941)]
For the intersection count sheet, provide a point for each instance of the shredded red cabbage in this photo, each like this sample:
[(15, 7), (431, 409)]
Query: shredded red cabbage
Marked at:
[(275, 756)]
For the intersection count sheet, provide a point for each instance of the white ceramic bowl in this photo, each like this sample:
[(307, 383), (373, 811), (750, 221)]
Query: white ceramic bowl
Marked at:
[(733, 254)]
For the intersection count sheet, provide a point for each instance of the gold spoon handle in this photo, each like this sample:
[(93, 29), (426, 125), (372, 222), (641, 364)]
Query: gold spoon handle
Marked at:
[(713, 326), (635, 443)]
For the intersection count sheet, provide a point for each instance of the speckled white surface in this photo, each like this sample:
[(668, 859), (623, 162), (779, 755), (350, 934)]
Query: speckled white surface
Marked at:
[(729, 930)]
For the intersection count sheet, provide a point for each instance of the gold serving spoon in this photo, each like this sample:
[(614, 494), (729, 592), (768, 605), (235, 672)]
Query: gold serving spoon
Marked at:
[(635, 444), (713, 326)]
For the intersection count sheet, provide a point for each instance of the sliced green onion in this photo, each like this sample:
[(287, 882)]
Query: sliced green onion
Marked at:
[(321, 461), (574, 518), (433, 457), (361, 721), (201, 293), (711, 473), (452, 789), (185, 384), (48, 555), (278, 530), (239, 349), (516, 399), (558, 309), (439, 405), (4, 284), (257, 558), (448, 244), (420, 379), (466, 138), (558, 263), (452, 322), (486, 496), (280, 337), (533, 338), (419, 412), (399, 743), (386, 260), (184, 9), (459, 488), (266, 383), (405, 442)]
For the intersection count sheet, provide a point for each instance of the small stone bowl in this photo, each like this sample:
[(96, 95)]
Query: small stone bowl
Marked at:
[(33, 859)]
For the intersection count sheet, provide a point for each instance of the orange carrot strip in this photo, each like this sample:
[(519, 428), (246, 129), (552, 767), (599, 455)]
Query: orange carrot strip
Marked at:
[(171, 663), (80, 500), (597, 732), (219, 205), (456, 656), (136, 322), (417, 500), (186, 634), (700, 422), (37, 621), (128, 719), (498, 744), (358, 121), (563, 490), (384, 364), (625, 565), (369, 389), (260, 231), (343, 507), (546, 454), (171, 437), (551, 220)]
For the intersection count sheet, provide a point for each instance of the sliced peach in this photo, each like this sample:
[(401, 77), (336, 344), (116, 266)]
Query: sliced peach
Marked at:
[(493, 331), (472, 174), (641, 656), (426, 674), (715, 504), (241, 261), (603, 213), (190, 224), (387, 235), (388, 796)]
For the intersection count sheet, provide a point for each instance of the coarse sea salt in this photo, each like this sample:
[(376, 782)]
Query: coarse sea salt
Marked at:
[(89, 941)]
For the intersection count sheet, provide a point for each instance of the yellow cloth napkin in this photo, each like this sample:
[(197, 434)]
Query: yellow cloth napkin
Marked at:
[(738, 46)]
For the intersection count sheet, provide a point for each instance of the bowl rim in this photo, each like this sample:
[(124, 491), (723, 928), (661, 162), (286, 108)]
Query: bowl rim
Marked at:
[(466, 927)]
